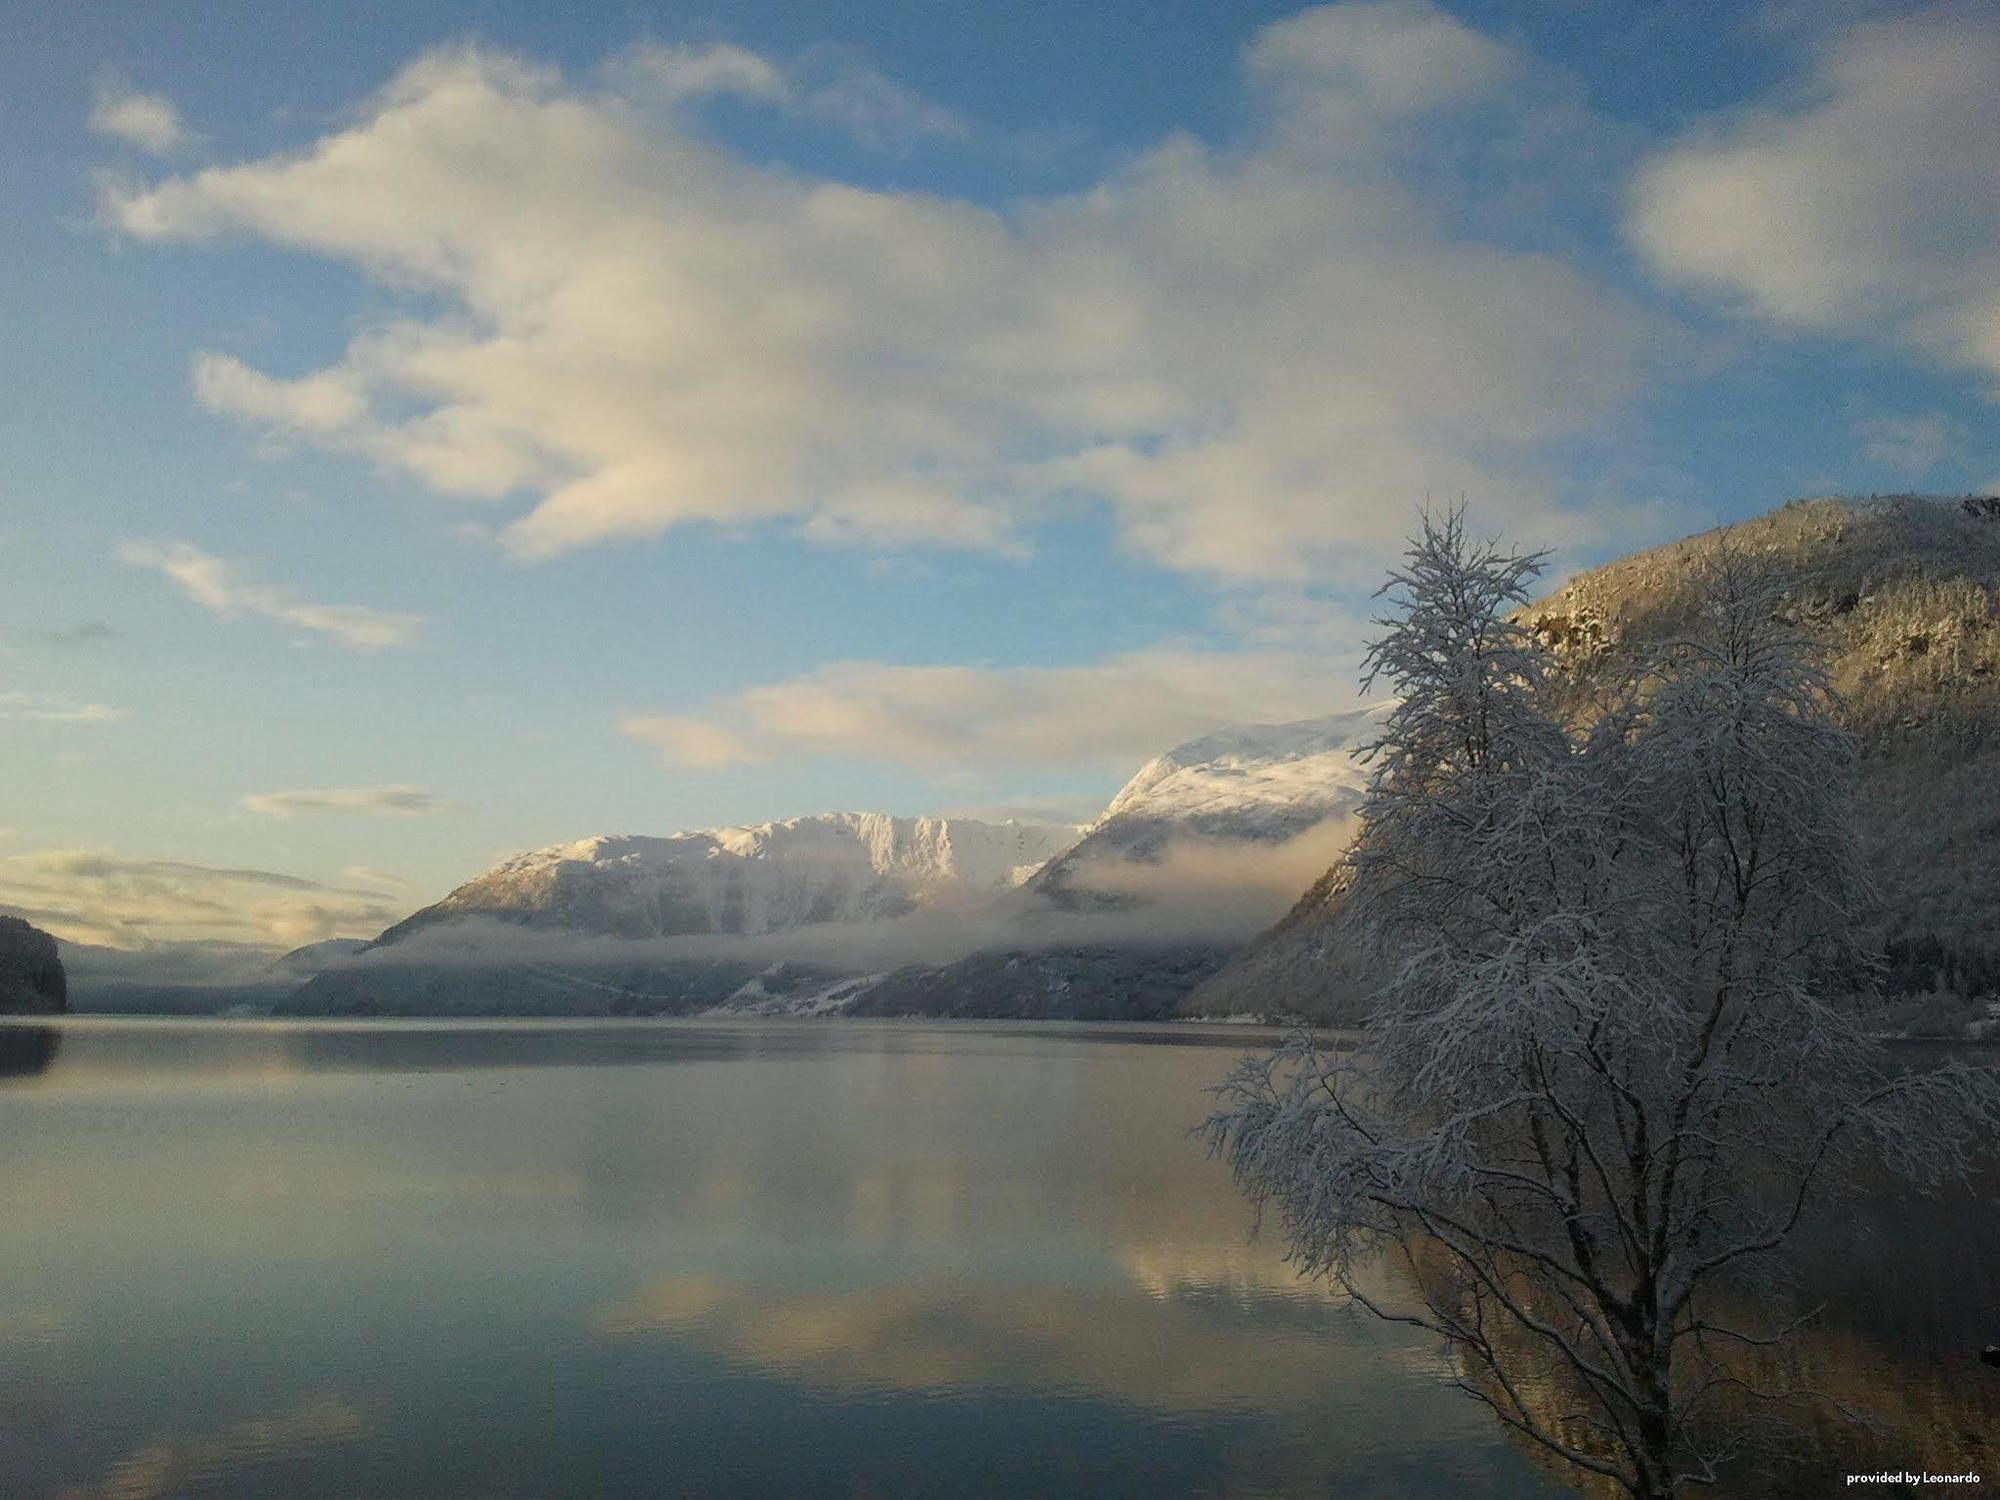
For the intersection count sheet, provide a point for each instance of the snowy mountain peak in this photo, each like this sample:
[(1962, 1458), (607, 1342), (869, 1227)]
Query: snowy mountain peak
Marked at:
[(1249, 768), (1248, 785)]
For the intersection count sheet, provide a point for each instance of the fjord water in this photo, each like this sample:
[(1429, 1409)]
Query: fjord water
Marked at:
[(617, 1259)]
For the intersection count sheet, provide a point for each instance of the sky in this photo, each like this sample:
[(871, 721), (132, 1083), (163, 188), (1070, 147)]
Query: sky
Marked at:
[(435, 430)]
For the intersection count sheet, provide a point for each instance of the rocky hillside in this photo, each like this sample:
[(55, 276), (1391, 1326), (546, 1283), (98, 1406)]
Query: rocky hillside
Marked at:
[(1906, 594), (1300, 966), (32, 982)]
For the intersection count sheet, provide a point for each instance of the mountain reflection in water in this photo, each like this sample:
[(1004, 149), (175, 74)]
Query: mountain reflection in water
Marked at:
[(589, 1259), (27, 1049)]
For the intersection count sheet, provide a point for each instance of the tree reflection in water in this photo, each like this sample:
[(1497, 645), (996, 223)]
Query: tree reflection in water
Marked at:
[(1894, 1292)]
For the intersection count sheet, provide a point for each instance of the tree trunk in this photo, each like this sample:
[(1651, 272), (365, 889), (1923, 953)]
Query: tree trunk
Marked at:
[(1653, 1462)]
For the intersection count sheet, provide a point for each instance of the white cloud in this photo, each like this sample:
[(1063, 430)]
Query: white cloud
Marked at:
[(1866, 202), (148, 121), (945, 720), (211, 582), (1911, 446), (1257, 357), (1369, 62), (407, 800), (91, 897), (317, 406)]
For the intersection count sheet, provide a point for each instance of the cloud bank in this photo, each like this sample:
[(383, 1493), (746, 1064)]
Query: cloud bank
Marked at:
[(1257, 357), (1114, 714), (212, 583), (90, 897)]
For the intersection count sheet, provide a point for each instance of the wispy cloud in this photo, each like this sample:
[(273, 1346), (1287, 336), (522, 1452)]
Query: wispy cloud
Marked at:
[(407, 800), (362, 875), (946, 720), (55, 710), (81, 713), (147, 121), (1254, 357), (1911, 446), (873, 108), (91, 896), (212, 583)]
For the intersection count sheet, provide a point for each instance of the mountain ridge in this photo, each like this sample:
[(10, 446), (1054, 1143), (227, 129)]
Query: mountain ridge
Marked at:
[(1237, 788), (749, 879)]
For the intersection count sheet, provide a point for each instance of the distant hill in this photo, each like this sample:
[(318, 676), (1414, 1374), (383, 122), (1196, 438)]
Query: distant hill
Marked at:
[(316, 958), (1905, 592), (179, 979), (32, 982)]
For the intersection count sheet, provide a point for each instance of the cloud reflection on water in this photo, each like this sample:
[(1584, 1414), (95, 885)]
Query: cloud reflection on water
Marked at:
[(1184, 1348), (166, 1465)]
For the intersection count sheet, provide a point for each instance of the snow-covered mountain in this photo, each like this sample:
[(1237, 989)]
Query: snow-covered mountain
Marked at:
[(750, 881), (1204, 844), (1250, 784), (1239, 798), (1254, 779)]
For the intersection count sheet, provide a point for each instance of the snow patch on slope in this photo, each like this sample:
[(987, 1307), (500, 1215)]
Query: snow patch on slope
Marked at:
[(780, 991)]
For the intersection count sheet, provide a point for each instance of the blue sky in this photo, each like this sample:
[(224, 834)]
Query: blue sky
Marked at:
[(436, 430)]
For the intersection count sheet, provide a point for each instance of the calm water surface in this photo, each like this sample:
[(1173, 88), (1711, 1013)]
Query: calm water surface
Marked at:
[(659, 1258)]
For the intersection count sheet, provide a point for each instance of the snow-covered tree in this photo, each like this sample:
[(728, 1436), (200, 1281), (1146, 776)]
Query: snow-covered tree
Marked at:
[(1620, 1042)]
